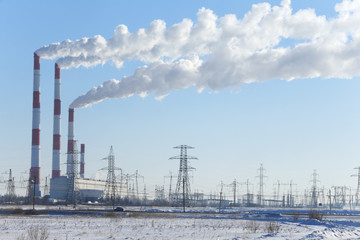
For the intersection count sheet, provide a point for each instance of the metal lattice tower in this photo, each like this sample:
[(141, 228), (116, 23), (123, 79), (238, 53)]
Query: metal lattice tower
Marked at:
[(314, 193), (357, 194), (291, 201), (234, 187), (110, 192), (249, 197), (182, 190), (170, 184), (10, 189), (339, 196), (261, 185), (137, 176), (73, 194)]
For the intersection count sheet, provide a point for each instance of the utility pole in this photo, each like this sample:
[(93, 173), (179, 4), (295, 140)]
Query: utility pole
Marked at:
[(221, 192), (183, 176), (33, 197), (145, 195)]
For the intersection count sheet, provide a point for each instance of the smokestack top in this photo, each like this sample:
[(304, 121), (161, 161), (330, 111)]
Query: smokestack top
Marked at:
[(36, 62), (57, 71), (82, 148), (71, 115)]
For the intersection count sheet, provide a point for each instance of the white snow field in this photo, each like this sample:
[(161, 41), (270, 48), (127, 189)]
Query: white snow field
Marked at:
[(160, 225)]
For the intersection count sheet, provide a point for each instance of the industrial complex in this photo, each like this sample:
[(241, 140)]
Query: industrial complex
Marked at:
[(71, 186)]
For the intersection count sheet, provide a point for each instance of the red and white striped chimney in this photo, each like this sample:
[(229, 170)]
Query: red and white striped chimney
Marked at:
[(56, 129), (35, 143), (82, 161), (70, 149)]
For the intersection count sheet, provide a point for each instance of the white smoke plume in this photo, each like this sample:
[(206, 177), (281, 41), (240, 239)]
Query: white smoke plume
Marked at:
[(269, 42), (160, 77)]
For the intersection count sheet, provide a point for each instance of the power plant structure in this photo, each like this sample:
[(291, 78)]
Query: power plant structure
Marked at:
[(61, 186), (73, 187)]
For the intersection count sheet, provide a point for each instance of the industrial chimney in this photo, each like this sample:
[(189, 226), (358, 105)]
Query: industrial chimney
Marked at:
[(82, 161), (70, 148), (35, 143), (56, 129)]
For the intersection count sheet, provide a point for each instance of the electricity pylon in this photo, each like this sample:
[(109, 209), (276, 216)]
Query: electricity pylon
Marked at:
[(10, 189), (110, 192), (183, 183)]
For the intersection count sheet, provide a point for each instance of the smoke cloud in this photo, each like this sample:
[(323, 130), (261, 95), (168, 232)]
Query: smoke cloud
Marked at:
[(269, 42)]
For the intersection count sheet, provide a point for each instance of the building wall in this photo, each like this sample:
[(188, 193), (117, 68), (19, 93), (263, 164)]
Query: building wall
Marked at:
[(90, 189)]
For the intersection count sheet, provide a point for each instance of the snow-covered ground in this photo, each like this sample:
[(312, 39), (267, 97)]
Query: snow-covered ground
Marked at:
[(203, 225)]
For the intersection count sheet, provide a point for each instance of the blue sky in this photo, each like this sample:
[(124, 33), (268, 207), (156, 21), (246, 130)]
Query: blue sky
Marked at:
[(292, 127)]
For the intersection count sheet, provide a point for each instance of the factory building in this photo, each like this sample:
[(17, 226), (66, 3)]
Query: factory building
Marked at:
[(89, 189)]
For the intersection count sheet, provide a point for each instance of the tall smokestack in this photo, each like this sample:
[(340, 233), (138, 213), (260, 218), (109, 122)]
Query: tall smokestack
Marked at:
[(70, 148), (35, 143), (56, 130), (82, 161)]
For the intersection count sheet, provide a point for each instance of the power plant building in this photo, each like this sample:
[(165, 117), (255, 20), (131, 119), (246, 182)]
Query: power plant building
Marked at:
[(89, 189)]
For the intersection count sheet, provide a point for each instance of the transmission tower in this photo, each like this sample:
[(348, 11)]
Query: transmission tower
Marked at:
[(111, 186), (261, 185), (339, 196), (171, 176), (314, 194), (145, 195), (73, 194), (277, 198), (249, 197), (137, 176), (291, 199), (10, 189), (159, 193), (234, 187), (358, 186), (183, 182)]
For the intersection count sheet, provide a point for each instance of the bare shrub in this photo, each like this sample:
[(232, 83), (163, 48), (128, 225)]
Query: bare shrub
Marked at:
[(17, 211), (251, 226), (272, 227), (313, 214), (110, 215), (295, 216), (21, 237), (37, 233)]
